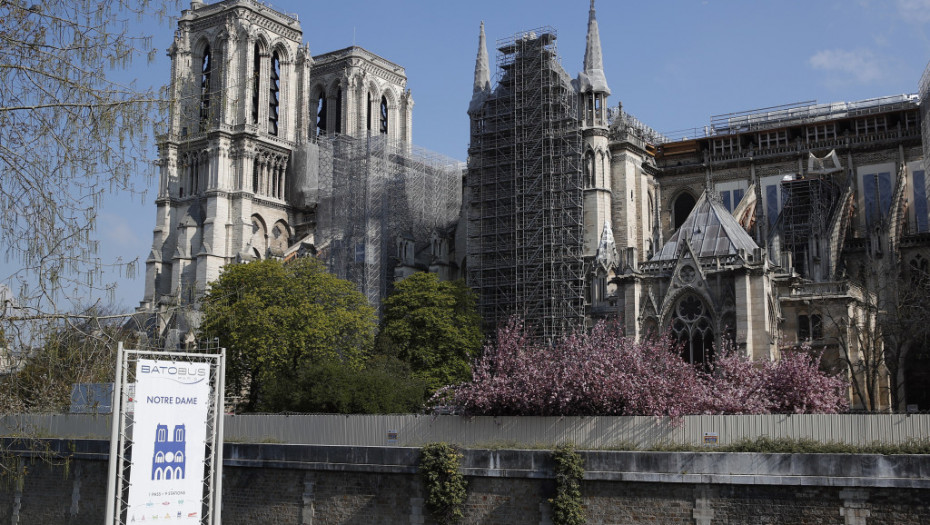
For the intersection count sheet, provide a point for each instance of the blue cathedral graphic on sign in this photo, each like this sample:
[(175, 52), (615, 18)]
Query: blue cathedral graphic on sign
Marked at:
[(168, 459)]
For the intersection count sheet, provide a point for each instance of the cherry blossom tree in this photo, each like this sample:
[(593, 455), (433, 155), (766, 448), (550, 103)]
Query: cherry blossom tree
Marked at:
[(603, 372)]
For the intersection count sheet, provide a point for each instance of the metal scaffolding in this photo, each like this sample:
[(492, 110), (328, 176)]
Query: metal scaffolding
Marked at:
[(525, 227), (368, 193), (803, 225)]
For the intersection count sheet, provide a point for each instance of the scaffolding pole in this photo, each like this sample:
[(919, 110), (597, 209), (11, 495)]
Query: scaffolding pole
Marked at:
[(525, 231)]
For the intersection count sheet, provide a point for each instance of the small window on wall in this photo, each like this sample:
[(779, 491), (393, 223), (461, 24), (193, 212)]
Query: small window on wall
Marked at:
[(726, 145), (810, 327), (772, 139), (867, 125), (821, 132)]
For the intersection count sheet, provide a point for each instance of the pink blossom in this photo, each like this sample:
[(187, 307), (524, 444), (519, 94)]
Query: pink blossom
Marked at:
[(602, 372)]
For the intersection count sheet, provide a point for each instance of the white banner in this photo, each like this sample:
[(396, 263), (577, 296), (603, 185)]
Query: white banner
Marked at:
[(169, 438)]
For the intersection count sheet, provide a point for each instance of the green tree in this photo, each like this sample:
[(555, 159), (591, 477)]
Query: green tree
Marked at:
[(79, 348), (73, 128), (276, 319), (384, 385), (433, 326)]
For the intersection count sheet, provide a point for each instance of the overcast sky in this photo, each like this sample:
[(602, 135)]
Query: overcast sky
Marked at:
[(673, 64)]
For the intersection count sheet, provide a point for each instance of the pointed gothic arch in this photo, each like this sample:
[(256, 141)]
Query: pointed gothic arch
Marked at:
[(383, 116), (387, 113), (259, 239), (280, 237), (337, 111), (691, 324), (589, 168), (682, 205), (317, 110), (274, 92), (256, 80), (650, 328), (373, 93)]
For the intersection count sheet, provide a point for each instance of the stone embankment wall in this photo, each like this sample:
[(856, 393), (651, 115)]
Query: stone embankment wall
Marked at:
[(306, 484)]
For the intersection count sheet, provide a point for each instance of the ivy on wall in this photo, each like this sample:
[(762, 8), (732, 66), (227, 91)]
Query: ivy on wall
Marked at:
[(445, 485), (569, 471)]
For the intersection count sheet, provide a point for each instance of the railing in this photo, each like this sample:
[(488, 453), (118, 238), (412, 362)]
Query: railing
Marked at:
[(820, 289), (516, 432), (810, 111)]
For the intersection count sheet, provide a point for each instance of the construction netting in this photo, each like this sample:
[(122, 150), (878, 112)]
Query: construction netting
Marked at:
[(368, 193)]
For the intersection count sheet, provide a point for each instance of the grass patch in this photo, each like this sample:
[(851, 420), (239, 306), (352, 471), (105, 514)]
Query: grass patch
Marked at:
[(764, 445)]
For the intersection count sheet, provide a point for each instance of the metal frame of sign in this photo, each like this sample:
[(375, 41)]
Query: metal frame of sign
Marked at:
[(121, 439)]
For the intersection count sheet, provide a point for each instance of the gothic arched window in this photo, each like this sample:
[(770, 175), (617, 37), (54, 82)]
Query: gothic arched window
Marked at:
[(338, 111), (368, 114), (693, 329), (384, 116), (206, 70), (920, 269), (321, 115), (650, 212), (256, 81), (682, 208), (589, 169), (274, 92), (256, 174), (650, 329), (259, 240)]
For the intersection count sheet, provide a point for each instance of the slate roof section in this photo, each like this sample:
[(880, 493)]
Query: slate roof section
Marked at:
[(710, 230)]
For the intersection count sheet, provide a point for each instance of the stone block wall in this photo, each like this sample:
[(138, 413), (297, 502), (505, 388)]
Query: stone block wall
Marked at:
[(320, 485)]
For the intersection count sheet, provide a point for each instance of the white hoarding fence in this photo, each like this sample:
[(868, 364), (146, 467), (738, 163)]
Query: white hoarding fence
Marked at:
[(166, 450)]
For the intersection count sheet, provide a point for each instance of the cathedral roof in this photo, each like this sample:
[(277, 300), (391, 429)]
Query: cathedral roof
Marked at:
[(710, 230)]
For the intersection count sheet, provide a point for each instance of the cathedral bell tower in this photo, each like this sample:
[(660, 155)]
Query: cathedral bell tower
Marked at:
[(593, 92), (237, 68)]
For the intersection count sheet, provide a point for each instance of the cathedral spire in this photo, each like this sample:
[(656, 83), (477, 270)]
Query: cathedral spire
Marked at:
[(593, 57), (482, 69), (592, 53)]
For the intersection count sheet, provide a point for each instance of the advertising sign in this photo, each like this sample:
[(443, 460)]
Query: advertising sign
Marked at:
[(166, 480)]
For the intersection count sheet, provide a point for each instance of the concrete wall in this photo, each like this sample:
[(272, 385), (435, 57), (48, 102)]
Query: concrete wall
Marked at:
[(298, 484)]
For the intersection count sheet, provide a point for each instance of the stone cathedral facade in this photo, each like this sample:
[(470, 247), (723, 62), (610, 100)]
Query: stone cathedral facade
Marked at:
[(247, 97), (769, 228)]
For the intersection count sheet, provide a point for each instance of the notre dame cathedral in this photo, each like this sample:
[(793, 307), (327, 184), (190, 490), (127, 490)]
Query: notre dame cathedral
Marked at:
[(769, 228)]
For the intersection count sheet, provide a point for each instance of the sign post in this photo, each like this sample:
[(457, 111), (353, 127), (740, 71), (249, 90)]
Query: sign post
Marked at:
[(169, 435)]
